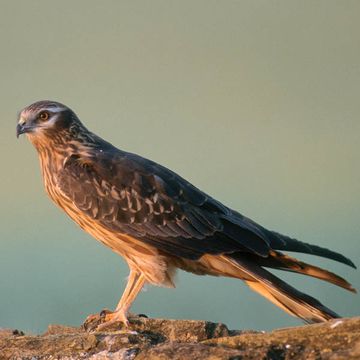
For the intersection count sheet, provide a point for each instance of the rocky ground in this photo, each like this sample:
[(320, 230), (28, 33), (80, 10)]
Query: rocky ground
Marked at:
[(184, 339)]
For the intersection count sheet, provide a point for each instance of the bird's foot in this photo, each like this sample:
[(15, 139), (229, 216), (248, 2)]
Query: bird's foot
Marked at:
[(107, 320), (111, 318)]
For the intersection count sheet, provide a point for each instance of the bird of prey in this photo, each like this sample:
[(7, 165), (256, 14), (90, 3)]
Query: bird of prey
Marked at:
[(159, 222)]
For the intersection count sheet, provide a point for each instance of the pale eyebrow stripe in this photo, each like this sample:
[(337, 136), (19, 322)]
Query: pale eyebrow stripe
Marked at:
[(54, 110)]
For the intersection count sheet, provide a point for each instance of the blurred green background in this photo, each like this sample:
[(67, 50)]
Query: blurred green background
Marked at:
[(255, 102)]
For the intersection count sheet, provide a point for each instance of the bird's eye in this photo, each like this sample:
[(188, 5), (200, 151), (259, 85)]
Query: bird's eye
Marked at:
[(44, 115)]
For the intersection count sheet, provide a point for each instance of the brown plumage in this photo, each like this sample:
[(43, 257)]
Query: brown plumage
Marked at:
[(160, 222)]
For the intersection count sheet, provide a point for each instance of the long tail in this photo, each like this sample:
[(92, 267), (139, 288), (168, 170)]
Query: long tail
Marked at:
[(280, 261), (276, 290)]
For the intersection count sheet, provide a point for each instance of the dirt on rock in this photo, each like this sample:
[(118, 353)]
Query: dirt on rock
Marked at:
[(160, 339)]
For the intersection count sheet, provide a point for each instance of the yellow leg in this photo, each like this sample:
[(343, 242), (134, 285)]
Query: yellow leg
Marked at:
[(131, 284), (135, 283)]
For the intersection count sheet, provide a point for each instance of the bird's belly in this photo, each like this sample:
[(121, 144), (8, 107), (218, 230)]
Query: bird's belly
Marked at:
[(142, 257)]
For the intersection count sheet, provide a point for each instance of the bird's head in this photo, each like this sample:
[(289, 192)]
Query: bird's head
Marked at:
[(46, 120)]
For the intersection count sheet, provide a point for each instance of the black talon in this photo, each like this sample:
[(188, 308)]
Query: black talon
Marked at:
[(17, 332), (104, 312)]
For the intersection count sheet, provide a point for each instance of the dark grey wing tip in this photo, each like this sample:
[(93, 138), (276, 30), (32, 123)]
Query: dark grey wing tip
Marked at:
[(333, 255), (286, 243), (350, 263)]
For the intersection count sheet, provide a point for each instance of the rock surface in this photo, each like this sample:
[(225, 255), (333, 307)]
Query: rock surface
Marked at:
[(184, 339)]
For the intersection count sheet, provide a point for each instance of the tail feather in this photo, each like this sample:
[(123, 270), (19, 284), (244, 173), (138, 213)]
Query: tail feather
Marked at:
[(280, 261), (277, 291)]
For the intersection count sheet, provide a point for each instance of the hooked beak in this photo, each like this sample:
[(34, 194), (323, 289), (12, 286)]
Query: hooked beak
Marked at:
[(22, 128)]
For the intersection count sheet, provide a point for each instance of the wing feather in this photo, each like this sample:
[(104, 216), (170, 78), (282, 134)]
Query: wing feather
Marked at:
[(130, 194)]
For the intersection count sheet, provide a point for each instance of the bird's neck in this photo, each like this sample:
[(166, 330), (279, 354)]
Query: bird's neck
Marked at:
[(53, 152), (53, 157)]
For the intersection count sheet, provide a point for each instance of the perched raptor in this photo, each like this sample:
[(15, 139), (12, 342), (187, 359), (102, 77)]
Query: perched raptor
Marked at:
[(158, 222)]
